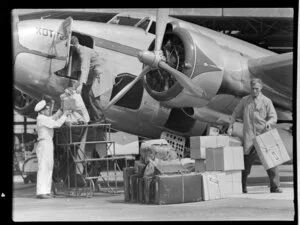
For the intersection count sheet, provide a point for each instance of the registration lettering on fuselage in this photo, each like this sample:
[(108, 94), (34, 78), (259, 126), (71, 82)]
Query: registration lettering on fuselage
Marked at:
[(49, 33)]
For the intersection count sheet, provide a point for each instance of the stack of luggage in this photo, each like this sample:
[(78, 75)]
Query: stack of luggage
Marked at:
[(160, 177), (213, 170)]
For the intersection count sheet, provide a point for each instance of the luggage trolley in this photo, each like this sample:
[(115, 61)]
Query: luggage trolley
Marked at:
[(74, 140)]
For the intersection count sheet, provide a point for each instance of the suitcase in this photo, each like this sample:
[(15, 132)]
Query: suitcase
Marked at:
[(157, 167), (177, 188), (127, 172), (139, 167), (158, 151), (134, 187), (148, 189), (169, 167), (140, 197)]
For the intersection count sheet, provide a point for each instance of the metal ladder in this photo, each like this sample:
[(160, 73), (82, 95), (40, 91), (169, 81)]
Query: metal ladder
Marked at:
[(75, 149)]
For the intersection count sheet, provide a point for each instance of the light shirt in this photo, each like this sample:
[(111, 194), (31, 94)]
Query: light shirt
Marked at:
[(45, 125), (89, 60), (254, 112)]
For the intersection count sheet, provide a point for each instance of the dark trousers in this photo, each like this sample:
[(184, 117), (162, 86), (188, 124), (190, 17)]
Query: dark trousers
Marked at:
[(91, 103), (273, 173)]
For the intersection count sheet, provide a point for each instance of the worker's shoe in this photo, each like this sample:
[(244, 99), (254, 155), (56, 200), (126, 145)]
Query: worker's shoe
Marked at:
[(244, 188), (51, 195), (44, 196), (276, 190)]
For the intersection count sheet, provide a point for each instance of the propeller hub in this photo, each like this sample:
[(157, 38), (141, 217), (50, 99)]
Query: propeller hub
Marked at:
[(151, 58)]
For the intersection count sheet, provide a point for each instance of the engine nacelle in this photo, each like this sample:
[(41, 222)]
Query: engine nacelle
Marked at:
[(206, 114), (195, 55), (24, 104)]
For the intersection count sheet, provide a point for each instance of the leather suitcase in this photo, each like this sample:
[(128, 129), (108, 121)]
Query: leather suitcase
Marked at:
[(148, 189), (139, 167), (134, 187), (140, 197), (127, 172), (178, 188)]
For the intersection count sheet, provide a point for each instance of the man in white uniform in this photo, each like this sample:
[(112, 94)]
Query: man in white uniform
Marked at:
[(45, 124)]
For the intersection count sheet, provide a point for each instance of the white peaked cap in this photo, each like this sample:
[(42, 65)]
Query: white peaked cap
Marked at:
[(40, 105)]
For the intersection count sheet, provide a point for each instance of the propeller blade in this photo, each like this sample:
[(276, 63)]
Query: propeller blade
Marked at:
[(128, 87), (161, 23), (183, 80)]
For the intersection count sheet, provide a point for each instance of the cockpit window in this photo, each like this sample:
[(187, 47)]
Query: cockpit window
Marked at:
[(144, 25), (125, 20)]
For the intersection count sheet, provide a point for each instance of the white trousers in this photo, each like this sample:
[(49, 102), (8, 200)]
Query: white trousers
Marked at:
[(45, 156)]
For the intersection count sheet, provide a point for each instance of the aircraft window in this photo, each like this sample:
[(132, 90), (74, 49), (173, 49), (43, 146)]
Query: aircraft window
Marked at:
[(133, 98), (152, 28), (84, 39), (125, 20), (144, 24)]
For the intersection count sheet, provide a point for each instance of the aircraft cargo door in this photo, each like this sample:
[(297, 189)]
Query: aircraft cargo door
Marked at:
[(60, 51)]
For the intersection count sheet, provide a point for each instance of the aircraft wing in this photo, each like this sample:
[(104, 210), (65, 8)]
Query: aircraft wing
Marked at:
[(276, 71)]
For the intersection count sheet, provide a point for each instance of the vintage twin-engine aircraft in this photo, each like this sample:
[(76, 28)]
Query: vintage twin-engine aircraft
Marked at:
[(159, 73)]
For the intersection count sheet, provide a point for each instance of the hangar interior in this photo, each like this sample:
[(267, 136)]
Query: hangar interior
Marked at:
[(272, 30), (273, 33)]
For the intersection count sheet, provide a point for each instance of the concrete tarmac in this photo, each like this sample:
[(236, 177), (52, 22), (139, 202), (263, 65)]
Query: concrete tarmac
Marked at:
[(257, 204)]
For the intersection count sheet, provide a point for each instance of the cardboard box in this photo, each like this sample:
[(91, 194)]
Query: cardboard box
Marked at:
[(200, 165), (212, 131), (200, 143), (219, 184), (211, 185), (270, 149), (127, 172), (197, 153), (224, 159), (179, 188), (209, 141), (231, 183)]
